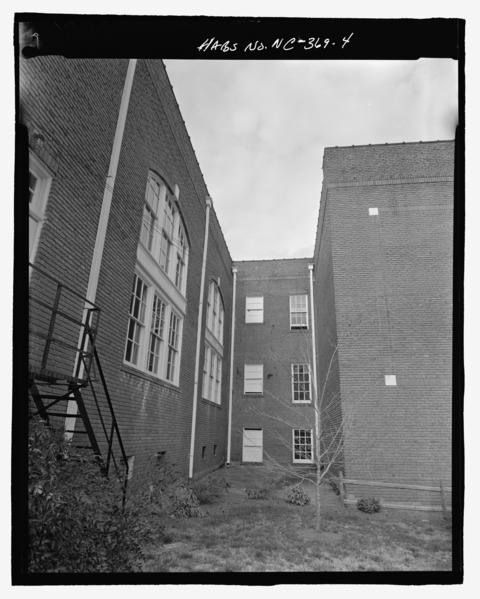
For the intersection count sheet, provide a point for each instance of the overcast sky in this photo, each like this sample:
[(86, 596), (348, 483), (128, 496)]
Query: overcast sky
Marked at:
[(259, 129)]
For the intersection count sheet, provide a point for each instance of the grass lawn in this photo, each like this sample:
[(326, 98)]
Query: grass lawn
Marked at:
[(239, 534)]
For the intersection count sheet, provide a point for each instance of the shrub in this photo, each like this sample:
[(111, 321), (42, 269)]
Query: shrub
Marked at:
[(296, 494), (185, 503), (76, 520), (369, 505), (152, 486), (334, 485), (257, 492), (210, 489)]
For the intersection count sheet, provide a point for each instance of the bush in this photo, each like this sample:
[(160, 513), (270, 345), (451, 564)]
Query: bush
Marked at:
[(185, 503), (152, 485), (334, 485), (369, 505), (76, 520), (210, 489), (296, 494), (257, 492)]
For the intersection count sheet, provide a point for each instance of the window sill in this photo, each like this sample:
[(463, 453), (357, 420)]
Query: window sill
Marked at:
[(209, 402), (302, 403), (253, 395)]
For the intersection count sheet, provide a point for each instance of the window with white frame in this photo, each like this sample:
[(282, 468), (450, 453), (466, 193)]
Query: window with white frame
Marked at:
[(173, 347), (253, 378), (215, 312), (298, 312), (301, 383), (152, 345), (302, 445), (136, 324), (39, 181), (158, 305), (163, 233), (212, 375), (254, 309), (213, 359)]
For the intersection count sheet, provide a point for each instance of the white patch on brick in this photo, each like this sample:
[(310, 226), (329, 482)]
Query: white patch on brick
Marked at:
[(373, 211), (390, 379)]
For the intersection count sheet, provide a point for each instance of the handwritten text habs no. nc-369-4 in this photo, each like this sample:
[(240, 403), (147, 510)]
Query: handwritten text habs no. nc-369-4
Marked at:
[(282, 44)]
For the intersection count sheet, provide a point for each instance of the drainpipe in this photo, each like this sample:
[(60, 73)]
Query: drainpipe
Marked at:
[(315, 401), (314, 351), (314, 359), (199, 340), (232, 346), (102, 224)]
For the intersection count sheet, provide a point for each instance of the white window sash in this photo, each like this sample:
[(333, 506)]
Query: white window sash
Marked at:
[(253, 309), (253, 378), (302, 443), (299, 312)]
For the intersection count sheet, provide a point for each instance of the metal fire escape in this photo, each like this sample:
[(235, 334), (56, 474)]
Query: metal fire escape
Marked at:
[(66, 379)]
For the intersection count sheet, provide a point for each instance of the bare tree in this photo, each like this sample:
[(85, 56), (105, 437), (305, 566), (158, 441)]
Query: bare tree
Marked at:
[(331, 423)]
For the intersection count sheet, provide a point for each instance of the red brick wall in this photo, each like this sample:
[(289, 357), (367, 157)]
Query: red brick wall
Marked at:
[(75, 105), (392, 284), (274, 345)]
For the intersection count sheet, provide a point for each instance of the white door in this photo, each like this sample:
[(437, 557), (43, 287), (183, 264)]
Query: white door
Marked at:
[(252, 445)]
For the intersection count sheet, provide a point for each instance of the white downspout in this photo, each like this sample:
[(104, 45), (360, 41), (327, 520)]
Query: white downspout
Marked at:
[(199, 340), (314, 359), (103, 222), (232, 347), (314, 350)]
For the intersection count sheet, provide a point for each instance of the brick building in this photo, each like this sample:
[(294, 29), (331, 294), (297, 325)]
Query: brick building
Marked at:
[(119, 217), (125, 244), (383, 279), (272, 409)]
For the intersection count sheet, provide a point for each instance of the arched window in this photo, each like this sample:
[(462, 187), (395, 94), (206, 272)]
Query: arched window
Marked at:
[(213, 357), (157, 311)]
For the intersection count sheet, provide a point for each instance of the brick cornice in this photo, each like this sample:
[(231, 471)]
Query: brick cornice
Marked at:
[(389, 182)]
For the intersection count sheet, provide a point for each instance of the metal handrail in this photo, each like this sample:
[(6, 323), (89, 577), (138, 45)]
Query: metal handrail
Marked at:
[(114, 425)]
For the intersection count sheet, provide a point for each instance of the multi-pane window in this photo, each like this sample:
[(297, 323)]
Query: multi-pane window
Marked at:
[(150, 212), (254, 309), (172, 347), (215, 312), (39, 181), (212, 369), (136, 322), (154, 336), (163, 232), (298, 312), (167, 234), (157, 326), (181, 258), (302, 445), (212, 375), (150, 347), (253, 378), (301, 383)]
